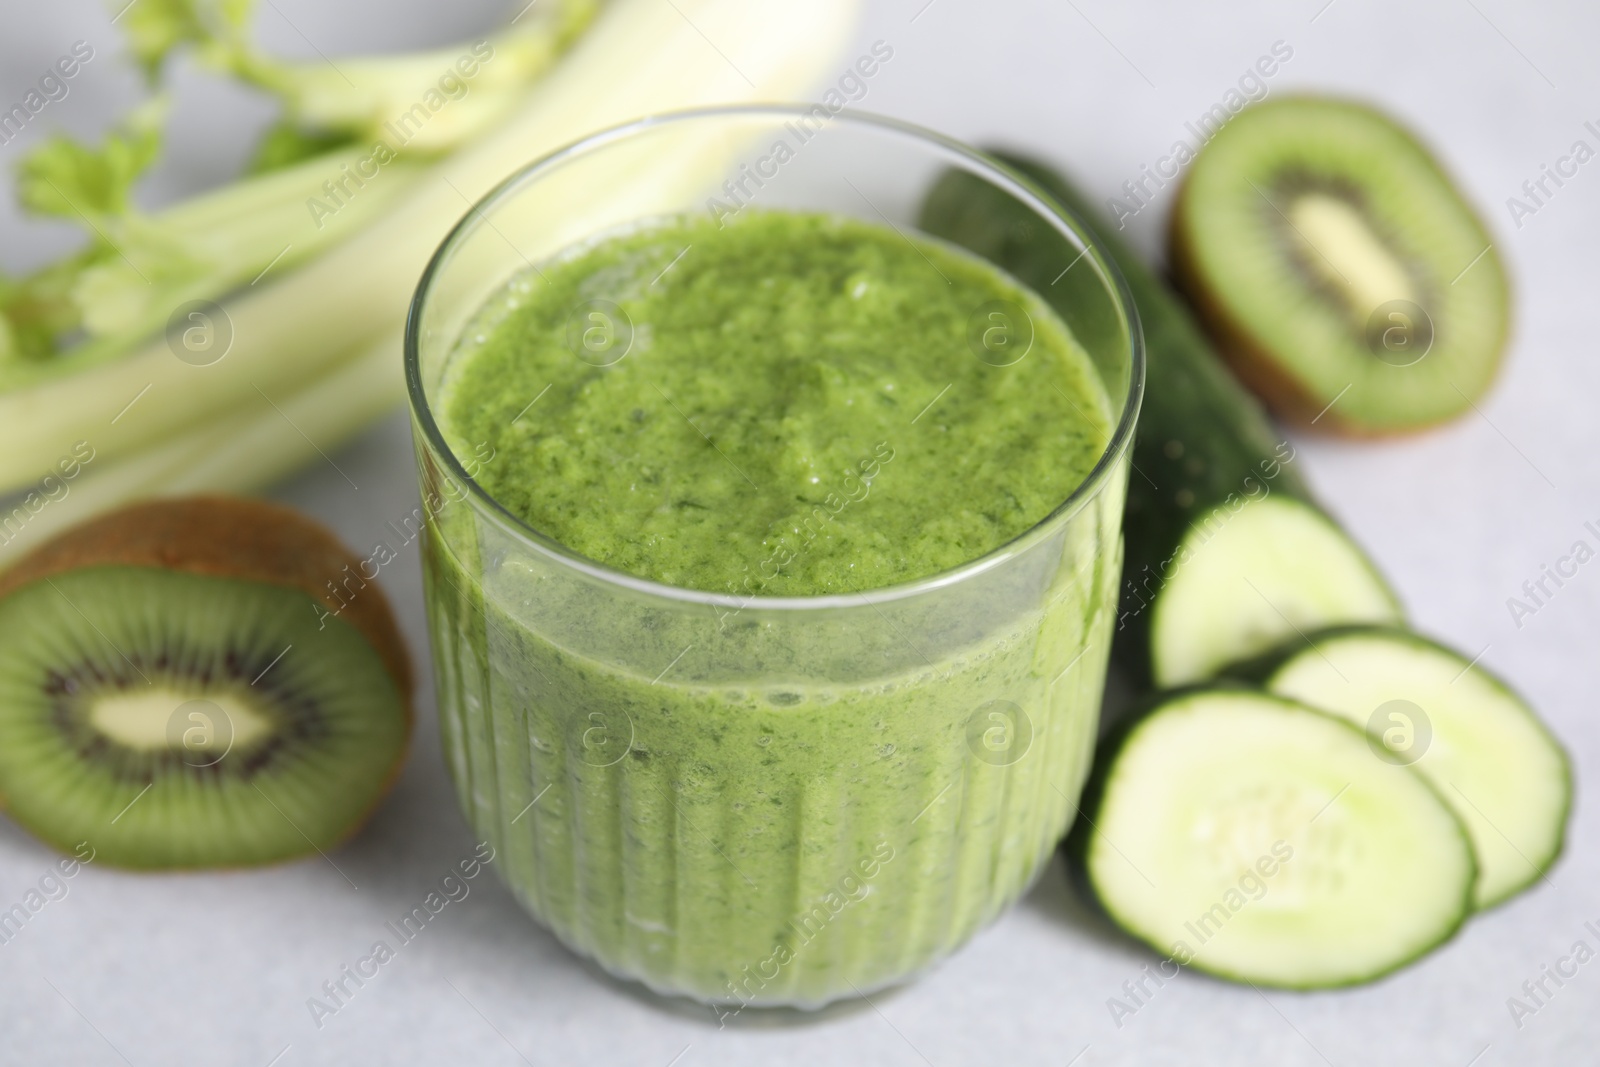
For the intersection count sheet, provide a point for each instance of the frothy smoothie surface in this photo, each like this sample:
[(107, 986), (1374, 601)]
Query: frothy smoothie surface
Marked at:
[(787, 405)]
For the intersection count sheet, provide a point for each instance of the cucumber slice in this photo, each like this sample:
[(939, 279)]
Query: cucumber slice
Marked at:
[(1254, 560), (1258, 839), (1204, 443), (1482, 747)]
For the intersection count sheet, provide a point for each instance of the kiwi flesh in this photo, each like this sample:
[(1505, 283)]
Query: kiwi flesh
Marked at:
[(181, 687), (1343, 274)]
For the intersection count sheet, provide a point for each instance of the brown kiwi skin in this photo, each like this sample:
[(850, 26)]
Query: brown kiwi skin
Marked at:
[(1254, 365), (231, 537)]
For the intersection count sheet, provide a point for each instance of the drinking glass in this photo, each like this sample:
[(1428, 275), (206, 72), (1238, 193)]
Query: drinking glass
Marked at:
[(755, 800)]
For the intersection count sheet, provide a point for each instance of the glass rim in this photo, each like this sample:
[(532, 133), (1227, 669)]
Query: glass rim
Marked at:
[(1018, 184)]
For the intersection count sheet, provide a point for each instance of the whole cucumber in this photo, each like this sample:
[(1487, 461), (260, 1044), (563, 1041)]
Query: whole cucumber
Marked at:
[(1204, 453)]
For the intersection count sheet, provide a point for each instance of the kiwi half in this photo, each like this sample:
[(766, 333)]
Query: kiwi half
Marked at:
[(181, 687), (1342, 273)]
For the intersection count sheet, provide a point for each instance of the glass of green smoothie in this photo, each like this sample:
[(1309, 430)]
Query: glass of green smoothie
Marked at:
[(771, 546)]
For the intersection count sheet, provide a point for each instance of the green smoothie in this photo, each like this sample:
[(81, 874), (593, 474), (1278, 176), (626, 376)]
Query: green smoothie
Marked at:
[(749, 804)]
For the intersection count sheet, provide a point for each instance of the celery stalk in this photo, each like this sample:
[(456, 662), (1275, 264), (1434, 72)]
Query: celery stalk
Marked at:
[(369, 98), (199, 249), (640, 57), (242, 450), (322, 172)]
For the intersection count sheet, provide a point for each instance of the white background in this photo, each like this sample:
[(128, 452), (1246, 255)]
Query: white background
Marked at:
[(216, 969)]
